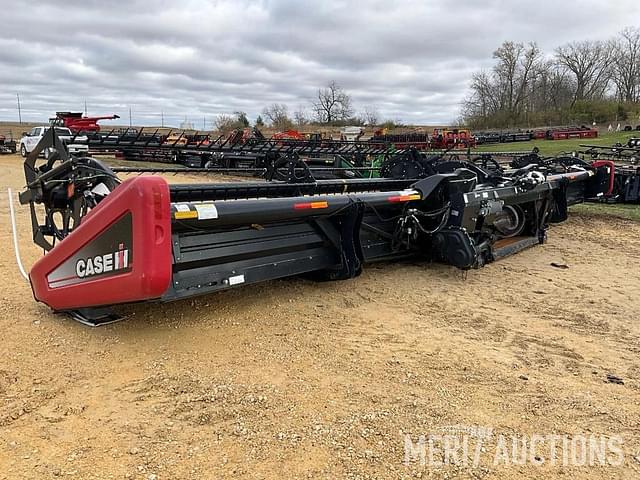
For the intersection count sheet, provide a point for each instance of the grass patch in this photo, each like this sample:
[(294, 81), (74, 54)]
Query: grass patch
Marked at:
[(628, 212)]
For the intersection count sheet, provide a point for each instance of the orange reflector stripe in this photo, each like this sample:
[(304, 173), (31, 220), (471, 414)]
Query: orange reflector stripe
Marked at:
[(404, 198), (182, 215), (310, 205)]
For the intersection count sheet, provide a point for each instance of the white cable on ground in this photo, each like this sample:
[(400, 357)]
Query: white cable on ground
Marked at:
[(15, 235)]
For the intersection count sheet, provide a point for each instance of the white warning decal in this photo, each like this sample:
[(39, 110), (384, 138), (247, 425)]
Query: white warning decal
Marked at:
[(206, 211), (237, 279)]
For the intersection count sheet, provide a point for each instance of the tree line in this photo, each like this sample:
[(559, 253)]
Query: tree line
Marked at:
[(331, 106), (580, 82)]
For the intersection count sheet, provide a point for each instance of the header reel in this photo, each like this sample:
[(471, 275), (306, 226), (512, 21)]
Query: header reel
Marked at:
[(66, 187)]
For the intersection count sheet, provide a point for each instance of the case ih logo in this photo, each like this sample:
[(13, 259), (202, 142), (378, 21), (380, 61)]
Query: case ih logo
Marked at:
[(91, 263), (100, 264)]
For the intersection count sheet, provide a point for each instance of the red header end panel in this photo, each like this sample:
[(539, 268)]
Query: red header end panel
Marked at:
[(611, 180), (121, 252)]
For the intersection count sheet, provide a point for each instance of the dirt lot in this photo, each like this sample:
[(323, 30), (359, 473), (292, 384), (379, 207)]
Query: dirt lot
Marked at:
[(294, 379)]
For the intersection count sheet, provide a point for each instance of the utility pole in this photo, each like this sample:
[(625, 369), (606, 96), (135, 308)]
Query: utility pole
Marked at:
[(85, 107), (129, 117), (162, 119), (19, 109), (204, 123)]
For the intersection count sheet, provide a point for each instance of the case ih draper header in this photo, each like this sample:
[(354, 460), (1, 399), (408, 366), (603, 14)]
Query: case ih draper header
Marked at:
[(110, 242)]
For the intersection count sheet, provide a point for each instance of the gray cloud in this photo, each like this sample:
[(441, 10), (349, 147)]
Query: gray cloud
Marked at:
[(410, 59)]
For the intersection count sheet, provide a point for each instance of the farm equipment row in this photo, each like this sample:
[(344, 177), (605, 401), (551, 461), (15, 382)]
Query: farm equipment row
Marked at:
[(556, 133), (110, 242), (457, 138), (7, 145), (293, 157), (249, 149)]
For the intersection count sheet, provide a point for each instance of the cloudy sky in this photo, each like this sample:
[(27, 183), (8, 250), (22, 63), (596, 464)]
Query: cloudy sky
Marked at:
[(412, 60)]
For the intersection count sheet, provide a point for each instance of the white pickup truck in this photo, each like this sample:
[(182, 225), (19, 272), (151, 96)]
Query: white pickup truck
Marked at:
[(29, 141)]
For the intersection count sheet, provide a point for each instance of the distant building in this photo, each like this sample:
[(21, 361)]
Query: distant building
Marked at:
[(186, 125)]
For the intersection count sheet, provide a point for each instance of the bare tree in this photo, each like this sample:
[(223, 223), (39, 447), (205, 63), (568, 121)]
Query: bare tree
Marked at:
[(485, 97), (224, 123), (516, 69), (626, 67), (524, 88), (504, 93), (300, 116), (278, 116), (370, 115), (332, 104), (553, 88), (241, 119), (590, 64)]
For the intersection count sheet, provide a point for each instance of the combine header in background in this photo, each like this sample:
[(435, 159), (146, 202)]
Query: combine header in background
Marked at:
[(456, 138), (564, 133), (555, 133), (419, 139), (625, 160), (629, 153), (483, 138), (626, 187), (110, 242), (78, 124)]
